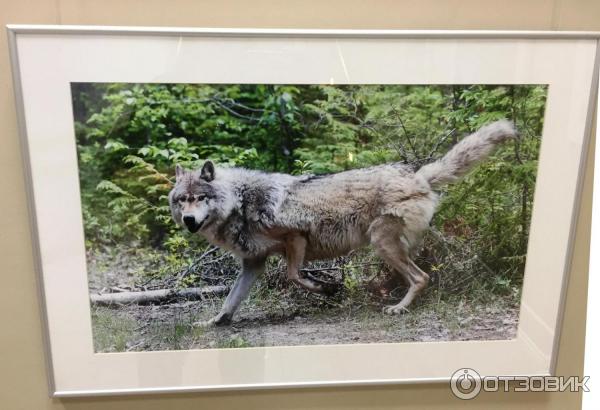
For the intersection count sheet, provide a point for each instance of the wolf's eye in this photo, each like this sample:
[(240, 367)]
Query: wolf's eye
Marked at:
[(201, 198)]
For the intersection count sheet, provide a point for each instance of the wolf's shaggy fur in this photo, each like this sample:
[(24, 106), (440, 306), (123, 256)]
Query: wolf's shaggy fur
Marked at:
[(255, 214)]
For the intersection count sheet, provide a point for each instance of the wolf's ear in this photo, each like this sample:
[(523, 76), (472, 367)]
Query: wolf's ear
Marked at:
[(179, 171), (208, 171)]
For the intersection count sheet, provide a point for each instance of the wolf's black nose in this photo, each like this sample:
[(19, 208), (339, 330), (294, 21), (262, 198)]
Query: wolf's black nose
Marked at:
[(189, 221)]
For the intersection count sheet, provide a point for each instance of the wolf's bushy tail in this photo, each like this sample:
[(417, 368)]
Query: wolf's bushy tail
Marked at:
[(467, 153)]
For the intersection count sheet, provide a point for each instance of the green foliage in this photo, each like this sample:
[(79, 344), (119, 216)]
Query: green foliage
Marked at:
[(130, 136)]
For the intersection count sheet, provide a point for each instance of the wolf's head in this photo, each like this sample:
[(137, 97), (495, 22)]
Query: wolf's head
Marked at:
[(193, 200)]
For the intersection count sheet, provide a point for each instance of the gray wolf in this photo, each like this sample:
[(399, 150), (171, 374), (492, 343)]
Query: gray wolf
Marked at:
[(255, 214)]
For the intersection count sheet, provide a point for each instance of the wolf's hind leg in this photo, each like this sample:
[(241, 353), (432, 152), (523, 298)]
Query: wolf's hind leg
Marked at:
[(417, 280), (294, 253), (251, 268), (390, 243)]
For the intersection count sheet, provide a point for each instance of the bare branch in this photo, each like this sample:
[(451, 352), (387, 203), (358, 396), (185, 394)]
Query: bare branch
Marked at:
[(155, 296)]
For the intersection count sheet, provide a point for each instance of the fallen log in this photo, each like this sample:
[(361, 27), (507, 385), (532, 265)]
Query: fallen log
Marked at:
[(155, 296)]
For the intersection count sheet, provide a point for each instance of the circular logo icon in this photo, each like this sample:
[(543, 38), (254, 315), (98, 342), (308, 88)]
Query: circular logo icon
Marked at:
[(465, 383)]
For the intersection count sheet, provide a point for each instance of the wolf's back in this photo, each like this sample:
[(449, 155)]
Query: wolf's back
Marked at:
[(467, 153)]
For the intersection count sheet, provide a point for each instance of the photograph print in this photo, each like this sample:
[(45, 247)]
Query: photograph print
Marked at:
[(249, 215)]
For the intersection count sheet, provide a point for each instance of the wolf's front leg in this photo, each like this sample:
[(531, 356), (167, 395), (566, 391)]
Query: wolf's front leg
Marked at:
[(251, 268)]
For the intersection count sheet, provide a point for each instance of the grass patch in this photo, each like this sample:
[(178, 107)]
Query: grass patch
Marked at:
[(112, 331), (233, 342)]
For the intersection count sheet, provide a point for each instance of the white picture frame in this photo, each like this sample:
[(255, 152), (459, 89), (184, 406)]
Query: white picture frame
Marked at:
[(46, 59), (591, 369)]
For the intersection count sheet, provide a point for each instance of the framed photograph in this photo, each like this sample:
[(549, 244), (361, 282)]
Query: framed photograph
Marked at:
[(242, 209)]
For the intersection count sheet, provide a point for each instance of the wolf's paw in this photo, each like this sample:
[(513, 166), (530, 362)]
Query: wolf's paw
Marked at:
[(395, 310), (323, 287), (219, 320)]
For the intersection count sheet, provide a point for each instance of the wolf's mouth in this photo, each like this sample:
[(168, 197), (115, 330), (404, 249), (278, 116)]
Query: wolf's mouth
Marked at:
[(194, 227)]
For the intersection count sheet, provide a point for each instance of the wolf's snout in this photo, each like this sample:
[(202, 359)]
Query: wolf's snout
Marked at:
[(190, 222)]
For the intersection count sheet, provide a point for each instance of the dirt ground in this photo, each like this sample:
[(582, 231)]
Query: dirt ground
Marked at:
[(172, 326), (287, 317)]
